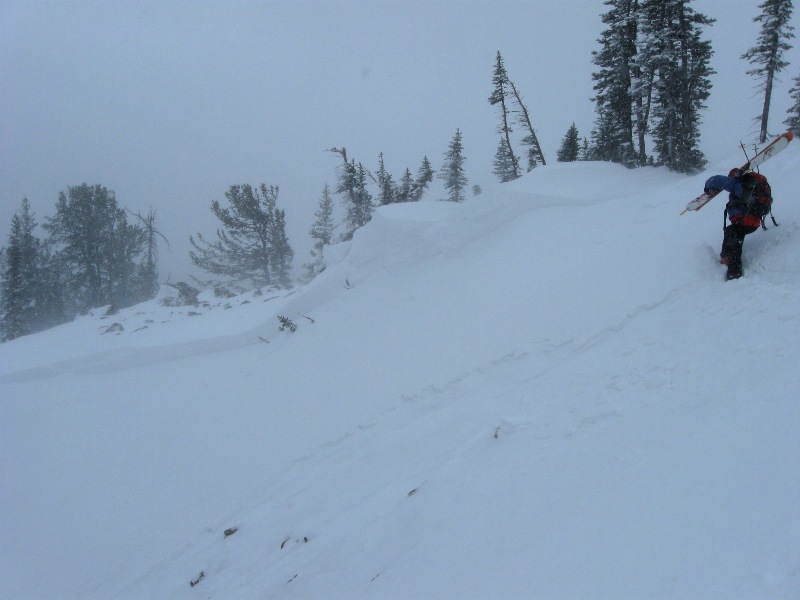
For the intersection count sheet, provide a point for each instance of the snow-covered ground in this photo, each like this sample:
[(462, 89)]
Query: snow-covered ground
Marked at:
[(548, 391)]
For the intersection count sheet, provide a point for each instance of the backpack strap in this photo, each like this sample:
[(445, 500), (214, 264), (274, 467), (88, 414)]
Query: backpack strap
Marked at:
[(774, 222)]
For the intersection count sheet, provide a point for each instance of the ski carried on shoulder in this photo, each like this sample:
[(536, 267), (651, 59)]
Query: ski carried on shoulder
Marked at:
[(770, 150)]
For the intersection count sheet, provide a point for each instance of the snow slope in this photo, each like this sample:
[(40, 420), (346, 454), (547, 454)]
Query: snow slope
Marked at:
[(546, 392)]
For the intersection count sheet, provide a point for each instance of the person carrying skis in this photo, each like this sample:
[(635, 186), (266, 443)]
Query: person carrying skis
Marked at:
[(749, 202)]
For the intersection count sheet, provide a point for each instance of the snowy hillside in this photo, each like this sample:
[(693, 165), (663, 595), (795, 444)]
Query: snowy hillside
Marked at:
[(546, 392)]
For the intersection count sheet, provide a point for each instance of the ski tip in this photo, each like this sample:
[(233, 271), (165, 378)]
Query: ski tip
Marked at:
[(684, 211), (789, 135)]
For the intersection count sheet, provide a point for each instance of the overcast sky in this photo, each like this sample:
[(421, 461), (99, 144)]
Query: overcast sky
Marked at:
[(169, 103)]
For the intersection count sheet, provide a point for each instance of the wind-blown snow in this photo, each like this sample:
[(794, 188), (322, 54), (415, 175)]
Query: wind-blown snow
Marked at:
[(548, 391)]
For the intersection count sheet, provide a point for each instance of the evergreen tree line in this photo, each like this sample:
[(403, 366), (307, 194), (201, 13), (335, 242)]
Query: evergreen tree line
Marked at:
[(353, 186), (358, 203), (653, 80), (92, 257)]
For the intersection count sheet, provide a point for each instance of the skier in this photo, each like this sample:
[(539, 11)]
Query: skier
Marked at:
[(749, 195)]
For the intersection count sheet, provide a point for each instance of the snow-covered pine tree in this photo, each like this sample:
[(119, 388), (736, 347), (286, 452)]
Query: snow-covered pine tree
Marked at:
[(570, 148), (767, 54), (19, 279), (793, 119), (613, 136), (498, 98), (386, 189), (504, 167), (680, 61), (452, 172), (357, 199), (423, 180), (321, 232), (250, 240)]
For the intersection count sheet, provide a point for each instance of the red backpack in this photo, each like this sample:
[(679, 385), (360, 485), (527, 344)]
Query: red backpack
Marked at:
[(755, 203), (757, 195)]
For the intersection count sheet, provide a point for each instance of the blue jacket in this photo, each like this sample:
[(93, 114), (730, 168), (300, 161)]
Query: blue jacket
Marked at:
[(729, 184)]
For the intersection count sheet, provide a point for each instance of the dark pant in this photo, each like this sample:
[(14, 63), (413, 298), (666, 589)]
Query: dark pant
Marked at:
[(732, 243)]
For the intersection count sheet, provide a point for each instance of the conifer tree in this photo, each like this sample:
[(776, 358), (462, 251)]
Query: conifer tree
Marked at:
[(767, 54), (321, 232), (424, 178), (793, 119), (44, 291), (570, 147), (499, 97), (251, 244), (679, 59), (386, 187), (357, 199), (642, 74), (19, 279), (3, 270), (148, 269), (534, 152), (585, 153), (504, 168), (126, 246), (455, 179), (406, 189), (282, 253), (95, 247), (51, 300), (616, 94)]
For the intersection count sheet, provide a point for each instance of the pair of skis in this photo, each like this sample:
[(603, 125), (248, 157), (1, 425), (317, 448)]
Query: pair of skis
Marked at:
[(770, 150)]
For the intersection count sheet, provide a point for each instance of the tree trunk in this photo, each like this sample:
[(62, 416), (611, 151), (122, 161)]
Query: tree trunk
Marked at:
[(524, 110), (765, 112), (506, 130)]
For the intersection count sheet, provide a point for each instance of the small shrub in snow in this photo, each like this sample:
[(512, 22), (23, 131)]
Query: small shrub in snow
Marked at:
[(286, 324)]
